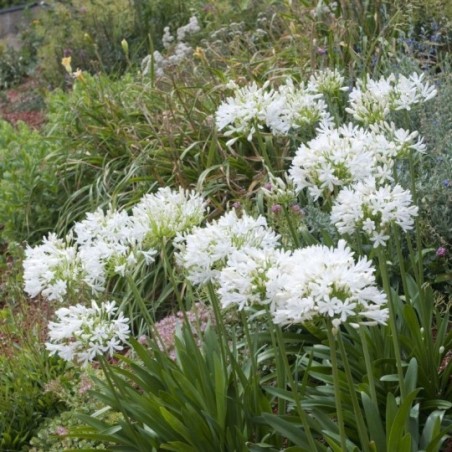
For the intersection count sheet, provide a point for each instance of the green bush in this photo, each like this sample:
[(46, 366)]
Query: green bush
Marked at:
[(29, 185), (25, 369)]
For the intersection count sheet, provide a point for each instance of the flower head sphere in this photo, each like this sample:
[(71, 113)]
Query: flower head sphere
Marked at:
[(294, 107), (81, 333), (370, 209), (204, 251), (339, 157), (325, 282), (244, 113), (166, 213), (52, 269)]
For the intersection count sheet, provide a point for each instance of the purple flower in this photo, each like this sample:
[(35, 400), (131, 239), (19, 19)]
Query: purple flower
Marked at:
[(268, 186), (441, 251), (447, 183), (276, 208), (297, 209), (236, 205)]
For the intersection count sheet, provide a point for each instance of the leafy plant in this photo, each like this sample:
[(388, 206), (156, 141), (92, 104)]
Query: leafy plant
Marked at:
[(193, 403)]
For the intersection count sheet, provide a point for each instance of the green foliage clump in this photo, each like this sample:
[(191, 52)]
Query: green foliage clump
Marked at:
[(29, 187), (74, 390), (13, 67), (25, 369), (194, 403)]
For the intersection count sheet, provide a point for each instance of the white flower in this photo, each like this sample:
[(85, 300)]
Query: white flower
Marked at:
[(324, 282), (241, 282), (372, 209), (107, 246), (204, 251), (81, 333), (245, 112), (294, 107), (371, 101), (162, 215), (340, 157), (52, 269), (328, 82)]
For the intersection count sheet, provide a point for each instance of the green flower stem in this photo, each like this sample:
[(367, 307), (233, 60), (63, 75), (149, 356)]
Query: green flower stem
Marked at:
[(296, 394), (293, 232), (337, 389), (170, 274), (145, 311), (219, 322), (362, 431), (141, 303), (368, 361), (263, 149), (279, 362), (251, 347), (392, 319), (397, 239), (416, 224)]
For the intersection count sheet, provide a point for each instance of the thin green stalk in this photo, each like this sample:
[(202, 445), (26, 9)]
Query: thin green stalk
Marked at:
[(141, 303), (337, 389), (392, 319), (170, 274), (362, 431), (369, 370), (263, 148), (296, 394), (397, 239), (251, 347), (416, 222), (280, 368), (293, 232), (219, 322)]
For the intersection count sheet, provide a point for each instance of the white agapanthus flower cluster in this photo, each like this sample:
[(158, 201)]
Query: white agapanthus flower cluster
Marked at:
[(204, 251), (242, 282), (81, 333), (52, 269), (294, 107), (341, 157), (318, 281), (180, 51), (371, 101), (368, 208), (110, 243), (245, 112), (328, 82), (161, 216)]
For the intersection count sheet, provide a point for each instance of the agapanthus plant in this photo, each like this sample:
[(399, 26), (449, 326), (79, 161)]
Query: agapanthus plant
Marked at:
[(53, 269), (294, 107), (318, 281), (371, 101), (242, 282), (372, 210), (204, 251), (329, 82), (162, 215), (244, 113), (82, 333), (341, 157)]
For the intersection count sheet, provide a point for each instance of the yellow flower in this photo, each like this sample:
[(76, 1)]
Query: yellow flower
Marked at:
[(78, 75), (66, 62)]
